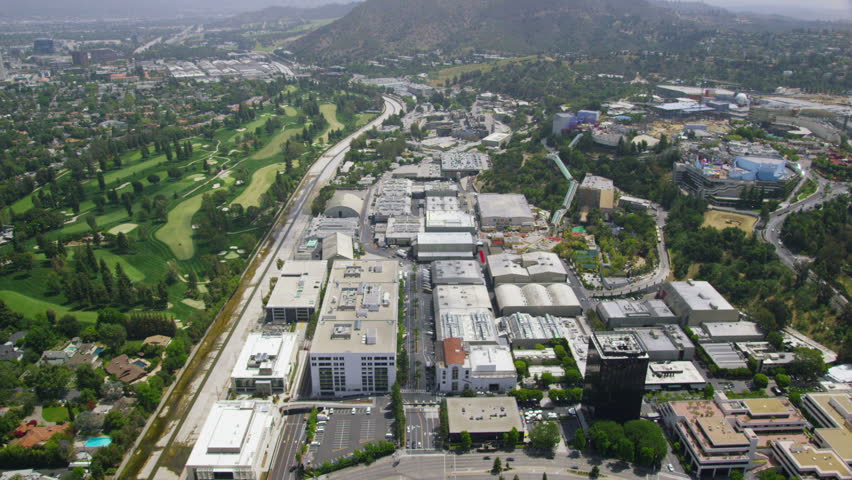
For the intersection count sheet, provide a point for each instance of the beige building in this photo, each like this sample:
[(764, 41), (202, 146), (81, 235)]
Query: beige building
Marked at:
[(596, 192)]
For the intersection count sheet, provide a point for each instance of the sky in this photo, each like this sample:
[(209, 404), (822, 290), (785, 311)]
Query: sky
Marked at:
[(796, 8)]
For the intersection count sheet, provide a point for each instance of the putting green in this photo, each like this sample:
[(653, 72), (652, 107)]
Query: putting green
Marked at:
[(123, 228), (177, 232), (30, 306)]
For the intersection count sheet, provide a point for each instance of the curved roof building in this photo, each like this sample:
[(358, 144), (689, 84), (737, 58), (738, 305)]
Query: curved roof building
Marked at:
[(344, 204), (538, 299)]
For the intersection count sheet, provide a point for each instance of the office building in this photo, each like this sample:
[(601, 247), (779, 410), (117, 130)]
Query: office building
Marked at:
[(264, 364), (296, 294), (431, 246), (831, 456), (505, 211), (616, 367), (80, 58), (596, 192), (532, 267), (697, 302), (484, 418), (234, 442), (766, 356), (344, 204), (666, 342), (710, 444), (557, 299), (526, 331), (354, 348), (480, 368), (44, 46), (563, 121), (456, 272), (630, 313)]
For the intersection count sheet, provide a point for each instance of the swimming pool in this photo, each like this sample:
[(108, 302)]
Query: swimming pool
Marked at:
[(98, 442)]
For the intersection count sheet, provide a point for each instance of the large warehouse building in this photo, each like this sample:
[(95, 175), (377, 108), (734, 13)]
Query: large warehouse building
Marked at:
[(557, 299), (354, 347), (629, 313), (484, 418), (696, 302), (444, 246), (457, 272), (533, 267), (465, 312), (505, 211), (344, 204)]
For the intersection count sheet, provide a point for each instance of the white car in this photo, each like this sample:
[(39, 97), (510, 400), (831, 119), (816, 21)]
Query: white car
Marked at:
[(670, 467)]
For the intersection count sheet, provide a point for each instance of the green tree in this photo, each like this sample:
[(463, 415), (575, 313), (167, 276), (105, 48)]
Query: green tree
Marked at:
[(511, 439), (595, 473), (113, 335), (466, 441), (49, 381), (760, 381), (708, 392), (782, 380), (497, 466), (544, 436), (580, 440), (88, 378)]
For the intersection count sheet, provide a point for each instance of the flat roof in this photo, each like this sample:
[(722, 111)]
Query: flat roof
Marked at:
[(449, 219), (673, 373), (445, 238), (700, 295), (359, 312), (504, 205), (456, 271), (233, 434), (632, 309), (732, 329), (766, 406), (598, 183), (809, 458), (271, 353), (491, 358), (299, 284), (464, 161), (483, 414), (619, 344), (711, 422)]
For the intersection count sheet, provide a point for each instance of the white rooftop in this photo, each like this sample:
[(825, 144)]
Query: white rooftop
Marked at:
[(233, 435), (299, 284), (673, 373), (445, 238), (266, 355), (700, 295), (504, 205), (490, 358)]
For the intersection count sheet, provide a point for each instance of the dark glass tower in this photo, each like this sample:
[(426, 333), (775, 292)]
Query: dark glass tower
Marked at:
[(615, 375)]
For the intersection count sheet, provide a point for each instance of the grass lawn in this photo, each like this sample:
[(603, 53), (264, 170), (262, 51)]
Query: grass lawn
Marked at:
[(329, 111), (274, 146), (54, 414), (363, 119), (721, 220), (808, 189), (111, 259), (438, 78), (291, 111), (30, 306), (177, 232), (260, 182)]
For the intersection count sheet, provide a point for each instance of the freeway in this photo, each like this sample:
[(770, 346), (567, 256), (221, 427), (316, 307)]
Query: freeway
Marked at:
[(184, 410), (439, 466)]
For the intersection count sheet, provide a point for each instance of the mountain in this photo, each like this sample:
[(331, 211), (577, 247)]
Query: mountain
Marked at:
[(279, 14), (63, 9), (377, 27)]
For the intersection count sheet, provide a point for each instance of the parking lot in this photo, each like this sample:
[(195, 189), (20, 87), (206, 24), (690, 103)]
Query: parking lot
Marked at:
[(344, 432)]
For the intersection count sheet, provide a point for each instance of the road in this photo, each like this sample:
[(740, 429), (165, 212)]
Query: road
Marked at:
[(826, 190), (290, 442), (439, 466), (186, 413), (661, 271)]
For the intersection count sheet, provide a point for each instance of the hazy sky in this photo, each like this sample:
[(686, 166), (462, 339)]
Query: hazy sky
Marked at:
[(806, 9)]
